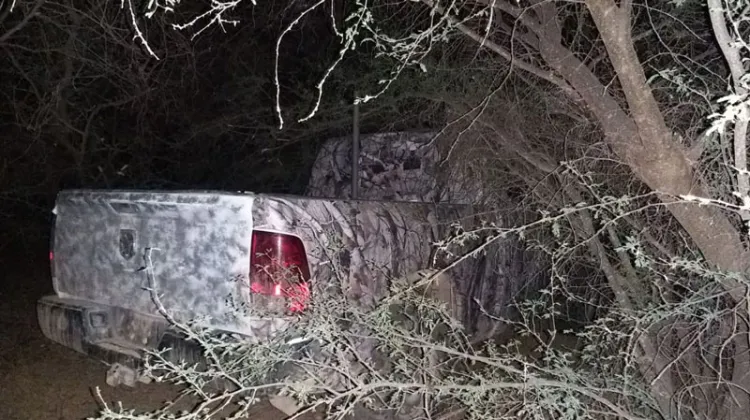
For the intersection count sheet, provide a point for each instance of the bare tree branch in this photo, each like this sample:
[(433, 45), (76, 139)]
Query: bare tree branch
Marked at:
[(20, 25), (502, 52), (731, 52)]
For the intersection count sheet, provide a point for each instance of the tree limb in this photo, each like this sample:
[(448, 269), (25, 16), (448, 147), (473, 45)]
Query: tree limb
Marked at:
[(502, 52), (731, 53), (20, 25)]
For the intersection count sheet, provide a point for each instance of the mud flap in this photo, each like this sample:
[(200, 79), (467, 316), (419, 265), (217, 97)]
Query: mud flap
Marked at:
[(118, 374), (285, 404)]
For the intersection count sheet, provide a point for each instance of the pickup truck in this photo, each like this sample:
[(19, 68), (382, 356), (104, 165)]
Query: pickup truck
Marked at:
[(203, 247)]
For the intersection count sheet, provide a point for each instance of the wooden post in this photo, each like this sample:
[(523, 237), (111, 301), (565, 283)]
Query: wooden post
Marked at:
[(355, 151)]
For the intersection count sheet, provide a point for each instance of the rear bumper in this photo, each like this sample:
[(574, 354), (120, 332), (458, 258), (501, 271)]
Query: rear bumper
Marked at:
[(114, 336), (121, 338)]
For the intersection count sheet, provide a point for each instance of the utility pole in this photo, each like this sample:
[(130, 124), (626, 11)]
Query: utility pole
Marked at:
[(355, 151)]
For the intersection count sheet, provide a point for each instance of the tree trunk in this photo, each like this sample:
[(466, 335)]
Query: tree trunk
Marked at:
[(644, 142)]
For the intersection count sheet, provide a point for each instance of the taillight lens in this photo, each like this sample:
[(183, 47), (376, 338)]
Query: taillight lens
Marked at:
[(52, 248), (279, 271)]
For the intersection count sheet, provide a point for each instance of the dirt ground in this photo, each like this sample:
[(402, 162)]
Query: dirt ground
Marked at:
[(40, 380)]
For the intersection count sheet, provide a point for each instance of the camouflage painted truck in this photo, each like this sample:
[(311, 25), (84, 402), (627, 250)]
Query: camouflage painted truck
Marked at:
[(202, 247)]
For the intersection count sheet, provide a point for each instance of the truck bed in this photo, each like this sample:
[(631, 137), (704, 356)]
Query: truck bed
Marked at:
[(197, 245)]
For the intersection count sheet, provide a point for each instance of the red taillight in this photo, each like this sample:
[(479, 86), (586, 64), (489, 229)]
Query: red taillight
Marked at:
[(279, 268), (52, 249)]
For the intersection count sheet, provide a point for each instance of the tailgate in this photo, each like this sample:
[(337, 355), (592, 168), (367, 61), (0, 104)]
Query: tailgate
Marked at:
[(199, 241)]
